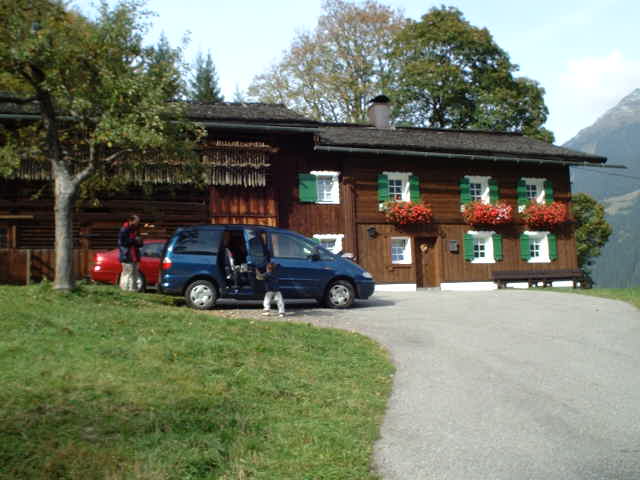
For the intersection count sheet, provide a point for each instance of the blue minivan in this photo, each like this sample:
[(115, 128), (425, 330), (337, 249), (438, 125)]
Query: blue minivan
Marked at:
[(207, 262)]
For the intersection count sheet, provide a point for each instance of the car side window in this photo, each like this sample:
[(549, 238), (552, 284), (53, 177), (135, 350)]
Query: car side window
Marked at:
[(288, 246), (198, 242), (325, 255), (153, 250)]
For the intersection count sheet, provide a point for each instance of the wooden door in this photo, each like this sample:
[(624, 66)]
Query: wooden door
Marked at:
[(248, 206), (427, 266)]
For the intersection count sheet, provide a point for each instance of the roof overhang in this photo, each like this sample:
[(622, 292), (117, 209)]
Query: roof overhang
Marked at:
[(247, 126), (461, 156)]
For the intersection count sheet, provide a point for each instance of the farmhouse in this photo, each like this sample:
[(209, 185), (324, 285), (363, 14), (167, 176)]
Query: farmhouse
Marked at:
[(416, 207)]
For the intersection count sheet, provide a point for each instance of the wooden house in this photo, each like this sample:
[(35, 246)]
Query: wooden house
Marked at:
[(267, 165)]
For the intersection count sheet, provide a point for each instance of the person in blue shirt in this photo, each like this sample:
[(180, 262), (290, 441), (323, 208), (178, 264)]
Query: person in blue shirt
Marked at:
[(272, 287)]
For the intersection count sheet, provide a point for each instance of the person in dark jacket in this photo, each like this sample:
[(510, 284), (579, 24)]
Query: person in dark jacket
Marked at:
[(129, 244), (272, 287)]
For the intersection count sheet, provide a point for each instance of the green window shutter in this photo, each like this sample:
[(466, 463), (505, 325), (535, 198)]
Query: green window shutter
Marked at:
[(307, 191), (465, 197), (548, 191), (467, 246), (521, 189), (383, 188), (553, 246), (497, 247), (525, 254), (494, 192), (414, 188)]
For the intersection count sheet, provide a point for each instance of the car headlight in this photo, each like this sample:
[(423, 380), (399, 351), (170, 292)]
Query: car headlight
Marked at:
[(367, 275)]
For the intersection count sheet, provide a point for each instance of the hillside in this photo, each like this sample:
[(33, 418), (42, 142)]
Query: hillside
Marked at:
[(615, 135)]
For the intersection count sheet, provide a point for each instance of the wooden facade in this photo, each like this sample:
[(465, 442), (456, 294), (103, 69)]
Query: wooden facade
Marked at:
[(288, 148)]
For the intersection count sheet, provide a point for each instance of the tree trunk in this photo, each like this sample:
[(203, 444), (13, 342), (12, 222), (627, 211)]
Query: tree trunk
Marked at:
[(65, 192)]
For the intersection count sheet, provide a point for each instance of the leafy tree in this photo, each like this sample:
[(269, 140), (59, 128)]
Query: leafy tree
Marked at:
[(331, 73), (204, 84), (453, 75), (97, 95), (592, 230)]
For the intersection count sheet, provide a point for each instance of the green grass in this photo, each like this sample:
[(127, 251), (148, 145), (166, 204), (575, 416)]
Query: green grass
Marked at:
[(630, 295), (99, 384)]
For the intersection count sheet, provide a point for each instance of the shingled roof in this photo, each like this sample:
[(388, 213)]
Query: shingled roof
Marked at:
[(247, 112), (224, 111), (466, 142), (447, 141)]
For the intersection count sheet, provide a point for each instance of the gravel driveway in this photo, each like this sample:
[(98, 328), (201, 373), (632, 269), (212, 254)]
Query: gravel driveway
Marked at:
[(505, 384)]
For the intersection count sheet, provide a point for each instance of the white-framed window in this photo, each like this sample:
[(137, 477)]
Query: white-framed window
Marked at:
[(330, 241), (534, 191), (401, 250), (482, 246), (327, 186), (398, 186), (479, 188), (538, 247)]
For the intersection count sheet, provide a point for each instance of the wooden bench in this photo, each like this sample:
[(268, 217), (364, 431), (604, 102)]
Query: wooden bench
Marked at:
[(534, 277)]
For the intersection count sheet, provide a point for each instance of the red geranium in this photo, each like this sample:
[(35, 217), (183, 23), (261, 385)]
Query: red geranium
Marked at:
[(404, 213), (478, 213), (538, 216)]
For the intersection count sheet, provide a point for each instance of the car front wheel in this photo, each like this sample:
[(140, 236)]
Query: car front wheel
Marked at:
[(201, 295), (340, 294)]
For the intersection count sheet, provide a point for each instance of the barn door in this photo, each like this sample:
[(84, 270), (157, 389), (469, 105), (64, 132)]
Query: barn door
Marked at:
[(239, 205)]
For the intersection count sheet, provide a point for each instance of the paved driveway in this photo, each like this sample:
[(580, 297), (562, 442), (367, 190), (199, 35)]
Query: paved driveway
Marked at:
[(506, 384)]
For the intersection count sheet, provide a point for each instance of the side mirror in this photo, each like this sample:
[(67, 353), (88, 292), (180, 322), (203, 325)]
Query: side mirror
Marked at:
[(315, 255)]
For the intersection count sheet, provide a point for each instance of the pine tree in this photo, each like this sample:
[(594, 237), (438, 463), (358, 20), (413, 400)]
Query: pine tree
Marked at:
[(238, 95), (165, 61), (204, 85)]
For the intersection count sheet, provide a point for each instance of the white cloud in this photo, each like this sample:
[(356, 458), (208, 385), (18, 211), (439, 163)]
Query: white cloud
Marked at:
[(587, 88)]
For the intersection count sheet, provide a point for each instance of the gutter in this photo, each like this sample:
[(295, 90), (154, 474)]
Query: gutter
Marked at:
[(221, 125), (459, 156)]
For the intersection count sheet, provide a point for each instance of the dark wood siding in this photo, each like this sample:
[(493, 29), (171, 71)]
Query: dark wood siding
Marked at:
[(456, 269)]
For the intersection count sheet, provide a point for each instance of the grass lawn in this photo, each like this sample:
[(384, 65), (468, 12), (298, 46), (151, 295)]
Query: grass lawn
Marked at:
[(631, 295), (99, 384)]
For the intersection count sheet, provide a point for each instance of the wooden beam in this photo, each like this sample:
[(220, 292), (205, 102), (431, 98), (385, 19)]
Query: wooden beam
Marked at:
[(17, 217)]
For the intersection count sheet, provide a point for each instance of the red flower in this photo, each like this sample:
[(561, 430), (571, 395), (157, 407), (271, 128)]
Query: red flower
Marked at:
[(478, 213), (404, 213), (538, 216)]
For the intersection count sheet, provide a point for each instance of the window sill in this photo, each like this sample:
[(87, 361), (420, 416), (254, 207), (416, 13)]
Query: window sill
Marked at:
[(482, 260)]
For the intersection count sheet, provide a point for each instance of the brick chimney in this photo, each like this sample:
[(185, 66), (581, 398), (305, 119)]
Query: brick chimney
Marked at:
[(379, 112)]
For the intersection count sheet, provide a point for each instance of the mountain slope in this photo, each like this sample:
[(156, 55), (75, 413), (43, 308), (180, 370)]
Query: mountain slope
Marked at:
[(615, 135)]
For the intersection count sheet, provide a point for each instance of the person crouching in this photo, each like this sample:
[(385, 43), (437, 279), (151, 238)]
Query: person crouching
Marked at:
[(272, 286)]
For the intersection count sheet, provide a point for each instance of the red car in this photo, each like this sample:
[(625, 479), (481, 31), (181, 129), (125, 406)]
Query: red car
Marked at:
[(106, 267)]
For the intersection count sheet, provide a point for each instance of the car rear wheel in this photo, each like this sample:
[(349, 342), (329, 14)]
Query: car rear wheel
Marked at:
[(340, 294), (201, 295)]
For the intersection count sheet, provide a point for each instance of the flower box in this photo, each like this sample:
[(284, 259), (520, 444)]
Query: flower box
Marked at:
[(478, 213), (542, 216), (407, 213)]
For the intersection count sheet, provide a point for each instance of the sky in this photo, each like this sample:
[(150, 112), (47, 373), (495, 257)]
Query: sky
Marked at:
[(584, 53)]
